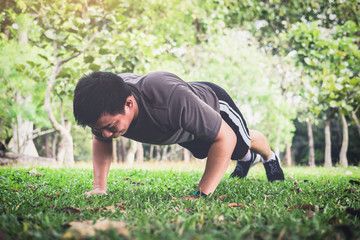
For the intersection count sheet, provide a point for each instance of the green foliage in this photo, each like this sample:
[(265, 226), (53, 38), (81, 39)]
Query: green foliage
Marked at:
[(330, 58), (15, 85), (312, 204), (266, 19)]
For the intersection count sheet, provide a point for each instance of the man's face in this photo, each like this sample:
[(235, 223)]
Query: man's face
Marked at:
[(113, 126)]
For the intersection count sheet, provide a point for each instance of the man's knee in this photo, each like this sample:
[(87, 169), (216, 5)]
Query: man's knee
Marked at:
[(256, 137)]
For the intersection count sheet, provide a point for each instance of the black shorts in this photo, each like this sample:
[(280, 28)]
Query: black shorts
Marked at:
[(233, 117)]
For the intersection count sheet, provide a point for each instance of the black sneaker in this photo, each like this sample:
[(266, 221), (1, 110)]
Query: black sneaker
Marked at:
[(273, 170), (242, 167)]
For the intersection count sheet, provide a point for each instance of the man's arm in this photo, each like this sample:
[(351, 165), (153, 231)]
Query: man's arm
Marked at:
[(218, 159), (102, 154)]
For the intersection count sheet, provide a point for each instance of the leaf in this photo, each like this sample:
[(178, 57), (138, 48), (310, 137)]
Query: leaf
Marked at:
[(122, 207), (43, 56), (310, 214), (353, 212), (297, 190), (94, 67), (49, 197), (334, 220), (104, 51), (109, 209), (222, 197), (17, 207), (16, 190), (354, 182), (87, 228), (71, 210), (33, 171), (50, 33), (89, 59), (232, 205), (350, 190), (303, 207), (131, 182), (35, 187)]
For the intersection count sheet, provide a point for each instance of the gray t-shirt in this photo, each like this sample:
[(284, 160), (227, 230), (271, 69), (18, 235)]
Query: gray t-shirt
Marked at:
[(171, 110)]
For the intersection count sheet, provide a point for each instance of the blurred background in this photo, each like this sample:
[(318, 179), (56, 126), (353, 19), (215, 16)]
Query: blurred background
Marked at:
[(292, 68)]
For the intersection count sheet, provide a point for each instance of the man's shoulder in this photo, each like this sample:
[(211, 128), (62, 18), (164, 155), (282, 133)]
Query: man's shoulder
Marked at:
[(159, 79), (160, 83), (162, 78)]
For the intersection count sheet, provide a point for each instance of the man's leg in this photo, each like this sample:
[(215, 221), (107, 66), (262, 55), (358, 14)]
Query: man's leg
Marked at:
[(248, 148), (260, 145)]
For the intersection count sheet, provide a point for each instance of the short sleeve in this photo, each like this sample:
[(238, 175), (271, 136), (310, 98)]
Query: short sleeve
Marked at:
[(189, 112)]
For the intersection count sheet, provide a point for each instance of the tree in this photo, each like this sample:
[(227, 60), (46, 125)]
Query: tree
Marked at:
[(330, 59), (66, 31)]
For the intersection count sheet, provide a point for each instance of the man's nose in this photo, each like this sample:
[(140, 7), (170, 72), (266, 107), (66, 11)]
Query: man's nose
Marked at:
[(106, 133)]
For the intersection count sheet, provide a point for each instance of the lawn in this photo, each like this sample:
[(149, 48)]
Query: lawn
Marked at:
[(48, 203)]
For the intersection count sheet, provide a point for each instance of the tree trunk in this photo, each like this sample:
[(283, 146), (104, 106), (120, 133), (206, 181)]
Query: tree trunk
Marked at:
[(130, 157), (151, 152), (164, 153), (277, 149), (356, 120), (288, 156), (158, 153), (62, 155), (327, 162), (18, 158), (54, 144), (22, 141), (47, 146), (139, 152), (311, 144), (122, 149), (114, 151), (187, 155), (64, 132), (345, 142)]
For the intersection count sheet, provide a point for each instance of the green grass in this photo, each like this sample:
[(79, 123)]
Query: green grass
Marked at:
[(32, 207)]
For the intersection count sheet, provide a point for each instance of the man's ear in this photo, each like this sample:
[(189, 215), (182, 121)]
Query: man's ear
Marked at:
[(129, 102)]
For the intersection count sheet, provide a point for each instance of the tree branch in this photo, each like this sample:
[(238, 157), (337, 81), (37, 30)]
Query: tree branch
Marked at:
[(80, 52), (37, 133)]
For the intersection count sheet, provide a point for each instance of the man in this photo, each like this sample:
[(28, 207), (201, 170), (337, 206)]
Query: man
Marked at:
[(160, 108)]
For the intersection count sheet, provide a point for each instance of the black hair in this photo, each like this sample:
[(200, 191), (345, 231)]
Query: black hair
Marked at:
[(99, 93)]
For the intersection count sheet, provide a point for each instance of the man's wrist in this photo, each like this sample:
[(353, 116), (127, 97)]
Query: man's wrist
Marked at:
[(200, 194)]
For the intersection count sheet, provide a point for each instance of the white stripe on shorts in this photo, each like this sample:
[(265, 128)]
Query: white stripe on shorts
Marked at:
[(235, 117)]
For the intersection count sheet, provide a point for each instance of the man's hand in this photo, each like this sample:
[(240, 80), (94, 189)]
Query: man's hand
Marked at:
[(96, 191), (218, 159), (102, 153)]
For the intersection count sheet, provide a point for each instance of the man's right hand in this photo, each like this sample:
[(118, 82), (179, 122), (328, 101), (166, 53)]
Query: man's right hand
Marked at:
[(96, 191), (102, 153)]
